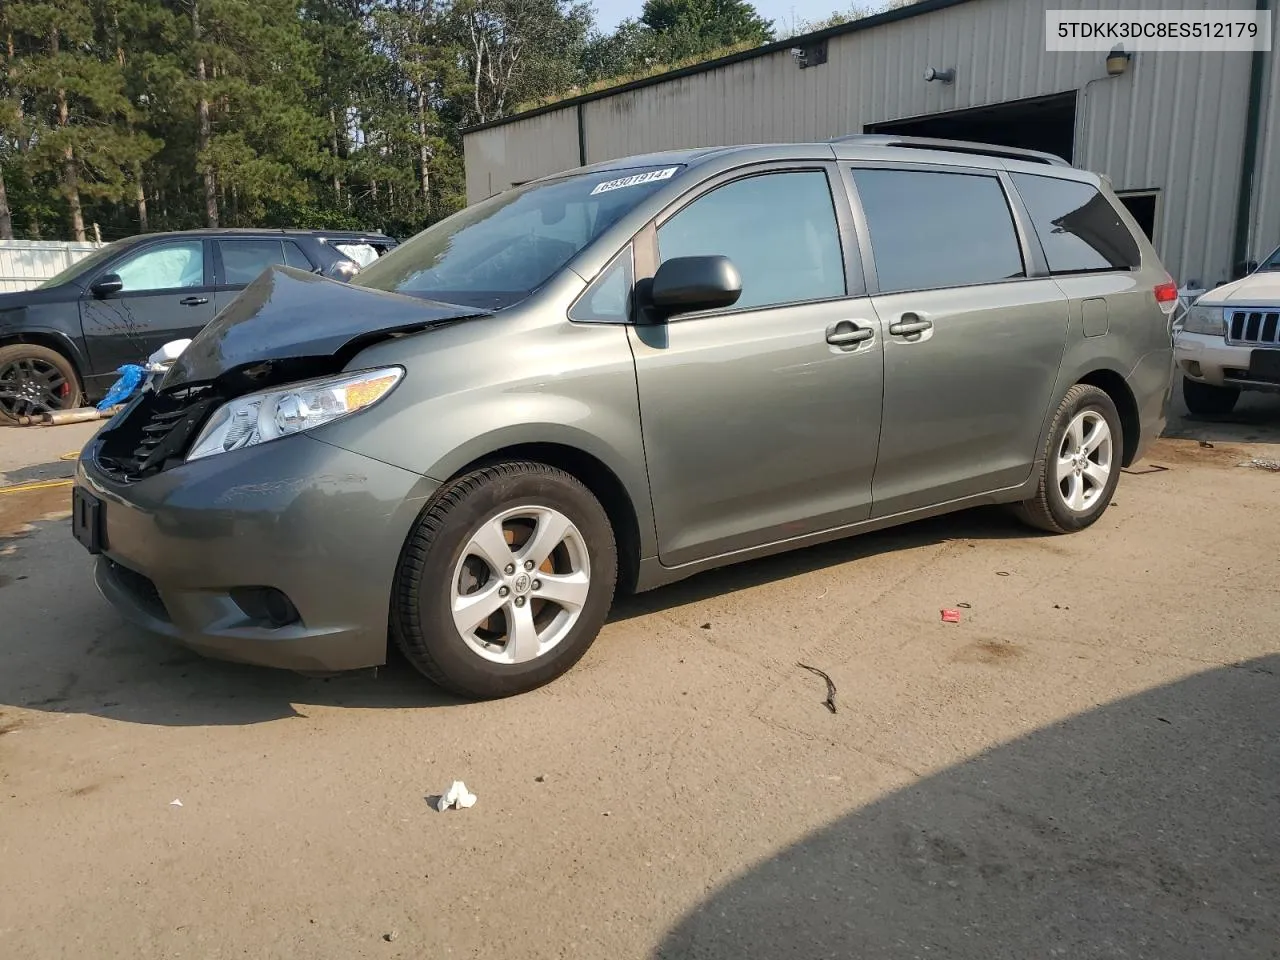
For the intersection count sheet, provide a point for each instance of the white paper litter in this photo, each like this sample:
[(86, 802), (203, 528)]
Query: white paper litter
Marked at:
[(457, 796), (175, 803)]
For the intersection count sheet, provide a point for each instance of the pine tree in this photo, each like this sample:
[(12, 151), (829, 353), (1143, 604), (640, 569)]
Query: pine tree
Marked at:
[(168, 114), (689, 28)]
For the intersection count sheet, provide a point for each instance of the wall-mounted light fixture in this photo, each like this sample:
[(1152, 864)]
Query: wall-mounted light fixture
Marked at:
[(813, 55), (946, 76), (1118, 60)]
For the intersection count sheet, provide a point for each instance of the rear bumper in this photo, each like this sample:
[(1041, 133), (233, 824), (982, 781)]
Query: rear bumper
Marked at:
[(322, 525), (1151, 383)]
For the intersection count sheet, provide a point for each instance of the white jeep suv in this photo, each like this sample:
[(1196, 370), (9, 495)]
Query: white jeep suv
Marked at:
[(1230, 341)]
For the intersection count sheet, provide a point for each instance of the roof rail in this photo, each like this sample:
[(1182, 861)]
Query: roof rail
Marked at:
[(951, 146)]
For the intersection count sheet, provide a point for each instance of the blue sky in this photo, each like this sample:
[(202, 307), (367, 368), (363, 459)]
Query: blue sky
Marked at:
[(610, 12)]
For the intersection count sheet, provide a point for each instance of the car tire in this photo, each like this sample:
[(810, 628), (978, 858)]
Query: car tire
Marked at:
[(25, 365), (1080, 467), (468, 558), (1206, 400)]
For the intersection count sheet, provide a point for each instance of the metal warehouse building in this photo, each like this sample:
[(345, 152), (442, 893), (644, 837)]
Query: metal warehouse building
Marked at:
[(1188, 139)]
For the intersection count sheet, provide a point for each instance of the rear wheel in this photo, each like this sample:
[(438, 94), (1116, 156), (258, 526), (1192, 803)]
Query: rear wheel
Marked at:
[(505, 581), (1081, 463), (35, 380), (1206, 400)]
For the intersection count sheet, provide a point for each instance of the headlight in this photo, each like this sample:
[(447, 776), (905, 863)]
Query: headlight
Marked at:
[(260, 417), (1206, 320)]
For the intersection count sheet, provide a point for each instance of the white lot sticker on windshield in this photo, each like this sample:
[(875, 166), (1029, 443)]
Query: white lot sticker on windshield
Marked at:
[(635, 180)]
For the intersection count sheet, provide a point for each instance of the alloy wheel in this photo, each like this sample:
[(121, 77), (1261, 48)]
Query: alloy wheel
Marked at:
[(30, 386), (520, 585), (1085, 460)]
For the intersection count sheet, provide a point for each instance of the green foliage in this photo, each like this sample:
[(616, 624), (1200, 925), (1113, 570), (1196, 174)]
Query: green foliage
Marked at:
[(688, 28), (855, 11), (321, 113)]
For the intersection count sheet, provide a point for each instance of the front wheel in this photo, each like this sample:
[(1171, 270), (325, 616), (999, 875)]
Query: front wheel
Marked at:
[(35, 380), (505, 581), (1206, 400), (1081, 463)]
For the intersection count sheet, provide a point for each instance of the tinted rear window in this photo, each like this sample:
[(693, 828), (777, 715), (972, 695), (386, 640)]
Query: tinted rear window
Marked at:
[(1079, 229), (931, 230), (244, 260)]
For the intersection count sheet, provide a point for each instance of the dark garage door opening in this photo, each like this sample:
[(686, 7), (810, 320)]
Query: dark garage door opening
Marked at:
[(1142, 205), (1039, 123)]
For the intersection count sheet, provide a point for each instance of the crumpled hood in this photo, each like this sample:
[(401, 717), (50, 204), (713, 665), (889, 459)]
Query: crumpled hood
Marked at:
[(290, 314)]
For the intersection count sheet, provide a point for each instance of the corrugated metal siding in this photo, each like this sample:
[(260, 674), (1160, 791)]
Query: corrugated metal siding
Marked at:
[(1175, 121), (1265, 234), (27, 263), (515, 152)]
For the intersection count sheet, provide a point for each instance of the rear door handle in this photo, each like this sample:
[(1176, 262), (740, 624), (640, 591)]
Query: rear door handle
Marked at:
[(910, 326), (193, 301), (846, 333)]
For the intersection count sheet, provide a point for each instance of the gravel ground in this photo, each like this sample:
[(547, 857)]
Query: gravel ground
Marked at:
[(1087, 765)]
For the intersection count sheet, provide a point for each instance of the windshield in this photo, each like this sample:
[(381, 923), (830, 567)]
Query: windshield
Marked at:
[(1272, 262), (82, 265), (500, 250)]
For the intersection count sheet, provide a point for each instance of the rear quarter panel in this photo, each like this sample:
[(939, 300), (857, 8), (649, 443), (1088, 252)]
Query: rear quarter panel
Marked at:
[(1136, 344)]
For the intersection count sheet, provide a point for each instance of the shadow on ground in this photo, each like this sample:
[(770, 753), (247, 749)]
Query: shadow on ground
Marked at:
[(1147, 828), (980, 523), (1256, 419), (67, 651)]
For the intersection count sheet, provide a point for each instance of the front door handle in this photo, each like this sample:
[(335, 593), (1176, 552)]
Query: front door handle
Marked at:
[(193, 301), (846, 333), (910, 326)]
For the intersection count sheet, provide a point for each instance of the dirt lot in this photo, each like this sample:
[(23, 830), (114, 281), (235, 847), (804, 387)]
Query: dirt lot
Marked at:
[(1088, 765)]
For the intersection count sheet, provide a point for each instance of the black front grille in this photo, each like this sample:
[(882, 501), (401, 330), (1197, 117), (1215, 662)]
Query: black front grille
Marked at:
[(1255, 326), (155, 433), (141, 589)]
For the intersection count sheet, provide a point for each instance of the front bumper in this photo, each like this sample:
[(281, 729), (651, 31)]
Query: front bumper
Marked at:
[(1210, 359), (320, 524)]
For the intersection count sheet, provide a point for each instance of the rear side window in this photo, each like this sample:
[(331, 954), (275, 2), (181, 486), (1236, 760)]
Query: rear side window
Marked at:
[(931, 230), (779, 229), (294, 256), (244, 260), (1079, 230)]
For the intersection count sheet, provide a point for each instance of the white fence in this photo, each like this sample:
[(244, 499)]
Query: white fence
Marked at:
[(27, 263)]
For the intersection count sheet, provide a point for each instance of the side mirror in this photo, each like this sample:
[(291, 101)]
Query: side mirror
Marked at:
[(107, 284), (685, 284)]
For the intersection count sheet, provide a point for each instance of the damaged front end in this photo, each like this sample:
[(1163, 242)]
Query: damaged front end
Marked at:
[(268, 365)]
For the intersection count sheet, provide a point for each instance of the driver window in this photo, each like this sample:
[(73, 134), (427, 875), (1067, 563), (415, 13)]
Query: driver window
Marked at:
[(168, 266), (779, 229)]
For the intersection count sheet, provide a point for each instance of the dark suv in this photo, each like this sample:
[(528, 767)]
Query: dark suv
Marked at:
[(62, 342)]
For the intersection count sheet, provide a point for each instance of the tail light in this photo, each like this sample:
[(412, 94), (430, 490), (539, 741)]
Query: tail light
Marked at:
[(1167, 300)]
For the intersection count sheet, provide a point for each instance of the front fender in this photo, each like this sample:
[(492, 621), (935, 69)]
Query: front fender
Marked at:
[(27, 325), (466, 396)]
